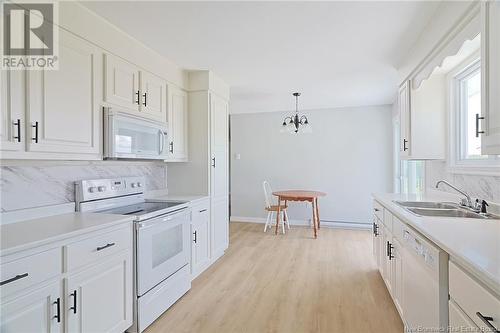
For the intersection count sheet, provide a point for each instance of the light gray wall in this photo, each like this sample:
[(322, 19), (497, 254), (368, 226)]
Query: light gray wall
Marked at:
[(478, 186), (348, 155), (29, 184)]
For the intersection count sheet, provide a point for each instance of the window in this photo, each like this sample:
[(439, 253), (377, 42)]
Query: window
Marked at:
[(465, 108)]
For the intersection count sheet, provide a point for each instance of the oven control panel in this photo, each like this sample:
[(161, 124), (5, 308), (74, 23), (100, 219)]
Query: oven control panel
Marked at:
[(95, 189)]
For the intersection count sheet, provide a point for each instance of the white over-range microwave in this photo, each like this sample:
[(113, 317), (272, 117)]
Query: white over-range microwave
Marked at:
[(130, 137)]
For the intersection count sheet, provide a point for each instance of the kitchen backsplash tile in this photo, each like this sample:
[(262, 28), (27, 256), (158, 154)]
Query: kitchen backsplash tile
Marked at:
[(27, 186), (478, 186)]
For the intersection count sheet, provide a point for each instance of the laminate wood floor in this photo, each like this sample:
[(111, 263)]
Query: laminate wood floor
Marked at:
[(287, 283)]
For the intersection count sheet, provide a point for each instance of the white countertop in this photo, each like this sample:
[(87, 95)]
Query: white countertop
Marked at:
[(474, 244), (192, 198), (23, 235)]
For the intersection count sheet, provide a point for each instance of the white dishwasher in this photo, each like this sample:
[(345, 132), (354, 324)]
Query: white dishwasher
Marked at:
[(425, 284)]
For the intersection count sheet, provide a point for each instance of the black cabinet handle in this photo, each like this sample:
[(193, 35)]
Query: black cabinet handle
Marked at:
[(58, 314), (375, 229), (145, 95), (213, 162), (477, 125), (203, 210), (17, 123), (73, 294), (376, 209), (105, 246), (195, 237), (404, 145), (15, 278), (171, 147), (487, 321), (390, 252), (137, 97), (35, 126)]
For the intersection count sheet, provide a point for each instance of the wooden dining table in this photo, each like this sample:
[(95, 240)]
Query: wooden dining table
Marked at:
[(300, 195)]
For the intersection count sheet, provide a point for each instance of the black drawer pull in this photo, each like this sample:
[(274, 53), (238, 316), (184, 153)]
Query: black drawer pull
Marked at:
[(487, 321), (105, 246), (15, 278), (58, 314), (195, 237), (376, 209), (203, 210), (73, 294)]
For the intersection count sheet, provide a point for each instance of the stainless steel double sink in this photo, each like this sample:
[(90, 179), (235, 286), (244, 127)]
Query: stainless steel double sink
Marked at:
[(442, 209)]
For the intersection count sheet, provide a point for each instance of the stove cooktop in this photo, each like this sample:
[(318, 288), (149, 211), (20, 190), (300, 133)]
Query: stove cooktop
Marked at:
[(141, 208)]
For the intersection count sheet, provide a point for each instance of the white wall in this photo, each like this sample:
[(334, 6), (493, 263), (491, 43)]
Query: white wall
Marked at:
[(348, 156)]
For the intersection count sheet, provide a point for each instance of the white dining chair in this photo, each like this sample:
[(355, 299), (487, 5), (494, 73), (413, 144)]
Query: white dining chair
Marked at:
[(271, 209)]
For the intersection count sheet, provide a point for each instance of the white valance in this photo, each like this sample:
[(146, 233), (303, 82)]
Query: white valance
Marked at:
[(469, 28)]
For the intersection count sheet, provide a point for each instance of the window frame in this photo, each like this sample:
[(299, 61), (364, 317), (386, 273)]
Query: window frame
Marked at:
[(456, 162)]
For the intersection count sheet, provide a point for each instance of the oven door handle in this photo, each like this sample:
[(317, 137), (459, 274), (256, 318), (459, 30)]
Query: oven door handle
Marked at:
[(159, 220)]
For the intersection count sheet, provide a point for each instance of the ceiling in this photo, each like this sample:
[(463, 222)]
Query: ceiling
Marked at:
[(337, 54)]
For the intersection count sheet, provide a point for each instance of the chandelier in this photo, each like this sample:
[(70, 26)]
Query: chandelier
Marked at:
[(295, 123)]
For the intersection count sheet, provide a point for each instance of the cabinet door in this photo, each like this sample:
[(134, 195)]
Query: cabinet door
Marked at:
[(12, 109), (36, 311), (490, 74), (219, 226), (178, 123), (99, 299), (404, 119), (397, 274), (63, 104), (153, 97), (121, 85), (219, 146), (200, 250)]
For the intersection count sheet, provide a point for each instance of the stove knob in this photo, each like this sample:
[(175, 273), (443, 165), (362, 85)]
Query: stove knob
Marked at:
[(92, 189), (139, 184), (132, 184), (101, 188)]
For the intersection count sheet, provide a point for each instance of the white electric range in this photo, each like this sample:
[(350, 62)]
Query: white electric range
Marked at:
[(161, 241)]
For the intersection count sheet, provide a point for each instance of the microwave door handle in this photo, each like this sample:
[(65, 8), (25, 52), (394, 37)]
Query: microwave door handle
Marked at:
[(162, 142)]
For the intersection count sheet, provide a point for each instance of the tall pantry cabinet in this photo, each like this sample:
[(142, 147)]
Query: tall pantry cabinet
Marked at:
[(207, 169)]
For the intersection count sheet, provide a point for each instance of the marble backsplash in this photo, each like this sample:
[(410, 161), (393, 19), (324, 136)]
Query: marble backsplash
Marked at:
[(477, 186), (31, 185)]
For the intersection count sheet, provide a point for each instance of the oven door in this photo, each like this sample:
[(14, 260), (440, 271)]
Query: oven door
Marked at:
[(128, 136), (163, 247)]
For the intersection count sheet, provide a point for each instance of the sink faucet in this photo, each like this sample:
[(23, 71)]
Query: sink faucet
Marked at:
[(469, 200)]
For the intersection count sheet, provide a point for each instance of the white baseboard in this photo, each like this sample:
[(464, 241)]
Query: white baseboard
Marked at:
[(328, 224)]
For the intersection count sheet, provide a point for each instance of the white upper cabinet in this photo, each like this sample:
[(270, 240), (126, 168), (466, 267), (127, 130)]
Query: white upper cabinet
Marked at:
[(12, 110), (134, 90), (64, 105), (178, 124), (121, 83), (153, 96), (404, 118), (490, 73), (423, 119)]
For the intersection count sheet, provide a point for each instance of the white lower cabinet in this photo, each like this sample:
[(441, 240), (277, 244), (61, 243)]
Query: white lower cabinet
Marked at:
[(458, 319), (38, 311), (39, 294), (480, 307), (220, 226), (200, 245), (99, 299)]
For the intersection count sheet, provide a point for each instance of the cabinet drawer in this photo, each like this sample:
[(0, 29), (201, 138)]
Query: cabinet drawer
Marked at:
[(388, 220), (473, 298), (99, 247), (378, 210), (29, 271), (201, 210)]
